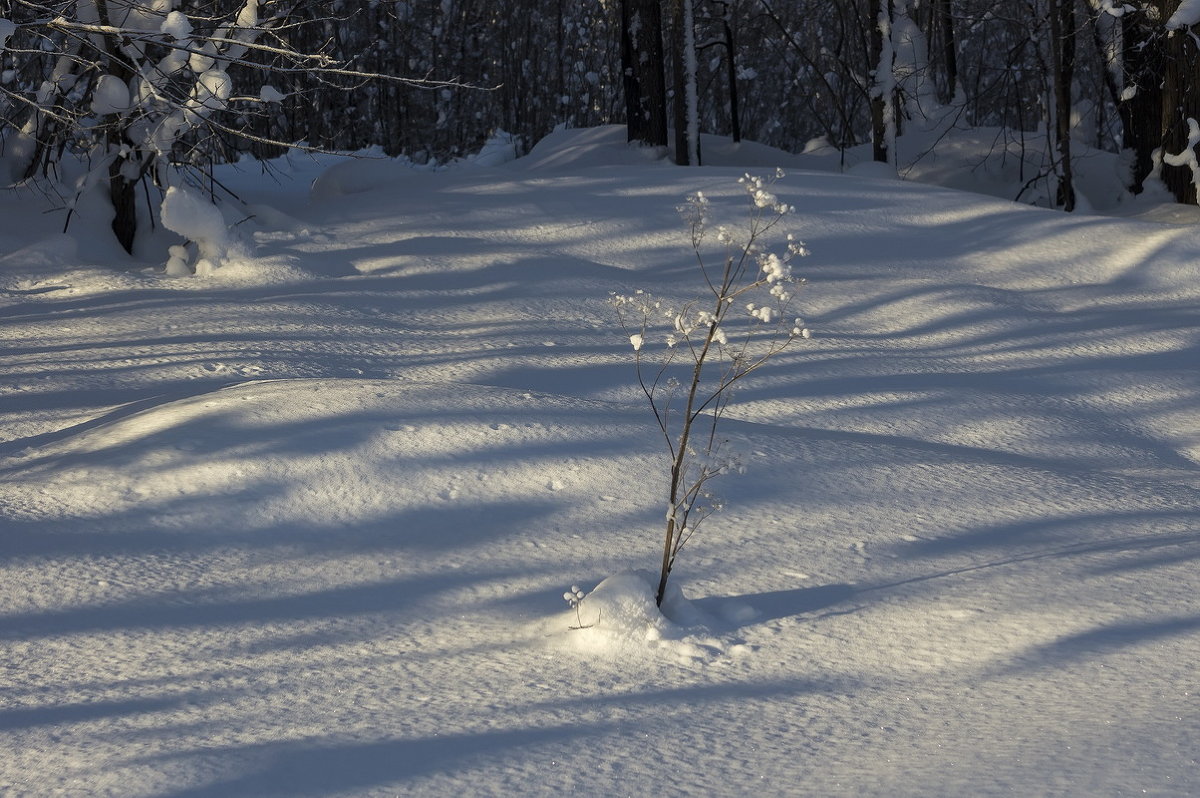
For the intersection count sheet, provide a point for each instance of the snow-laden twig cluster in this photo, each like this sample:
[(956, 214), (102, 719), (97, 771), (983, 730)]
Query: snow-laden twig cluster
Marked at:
[(144, 91), (731, 330)]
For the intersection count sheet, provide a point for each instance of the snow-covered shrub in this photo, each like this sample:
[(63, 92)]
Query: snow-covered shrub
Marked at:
[(199, 222), (730, 330), (145, 89)]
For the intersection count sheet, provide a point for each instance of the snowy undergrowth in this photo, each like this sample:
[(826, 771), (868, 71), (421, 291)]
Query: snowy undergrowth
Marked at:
[(310, 537)]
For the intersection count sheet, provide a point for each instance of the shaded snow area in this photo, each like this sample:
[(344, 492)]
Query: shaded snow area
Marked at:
[(302, 525)]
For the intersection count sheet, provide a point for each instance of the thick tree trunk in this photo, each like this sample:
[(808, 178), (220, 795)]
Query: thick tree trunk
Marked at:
[(1142, 95), (122, 192), (1180, 103), (644, 71)]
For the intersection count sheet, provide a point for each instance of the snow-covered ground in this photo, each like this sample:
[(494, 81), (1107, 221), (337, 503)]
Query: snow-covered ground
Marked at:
[(301, 527)]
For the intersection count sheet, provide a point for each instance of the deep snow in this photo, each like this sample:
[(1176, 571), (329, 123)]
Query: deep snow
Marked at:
[(301, 526)]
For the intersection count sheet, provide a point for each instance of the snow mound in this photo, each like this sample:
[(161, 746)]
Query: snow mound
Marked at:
[(52, 267), (609, 146), (590, 147), (260, 271), (723, 151), (52, 254), (359, 174), (499, 149), (874, 169), (620, 619)]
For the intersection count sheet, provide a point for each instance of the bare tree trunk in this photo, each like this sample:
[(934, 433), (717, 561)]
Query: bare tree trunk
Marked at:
[(644, 71), (945, 14), (1141, 103), (1062, 64), (735, 122)]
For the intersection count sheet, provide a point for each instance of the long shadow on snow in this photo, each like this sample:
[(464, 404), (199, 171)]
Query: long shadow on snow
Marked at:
[(733, 692), (773, 605), (225, 607), (129, 401), (423, 529), (324, 767), (1118, 548), (777, 604), (28, 717), (222, 431), (1047, 531), (1106, 639)]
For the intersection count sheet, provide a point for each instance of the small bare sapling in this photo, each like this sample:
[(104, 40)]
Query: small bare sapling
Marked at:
[(689, 357)]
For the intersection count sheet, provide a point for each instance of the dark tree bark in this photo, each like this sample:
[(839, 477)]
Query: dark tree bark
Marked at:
[(1180, 103), (121, 184), (949, 46), (678, 83), (683, 39), (644, 71), (1141, 104), (735, 123), (1062, 62)]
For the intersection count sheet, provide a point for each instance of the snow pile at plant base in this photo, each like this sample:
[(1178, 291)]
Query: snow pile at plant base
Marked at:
[(619, 619), (311, 538)]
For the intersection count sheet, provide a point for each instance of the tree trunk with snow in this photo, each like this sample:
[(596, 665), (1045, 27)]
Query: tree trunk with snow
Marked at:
[(1141, 95), (124, 170), (883, 83), (1181, 100), (683, 56)]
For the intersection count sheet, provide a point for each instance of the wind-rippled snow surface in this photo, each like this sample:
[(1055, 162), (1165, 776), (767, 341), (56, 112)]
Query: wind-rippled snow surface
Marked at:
[(302, 527)]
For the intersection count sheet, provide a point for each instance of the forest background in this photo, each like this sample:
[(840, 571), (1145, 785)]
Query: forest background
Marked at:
[(433, 81)]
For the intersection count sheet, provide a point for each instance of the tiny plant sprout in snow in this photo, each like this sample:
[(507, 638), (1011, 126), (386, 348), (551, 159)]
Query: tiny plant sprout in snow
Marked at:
[(574, 597), (733, 328)]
